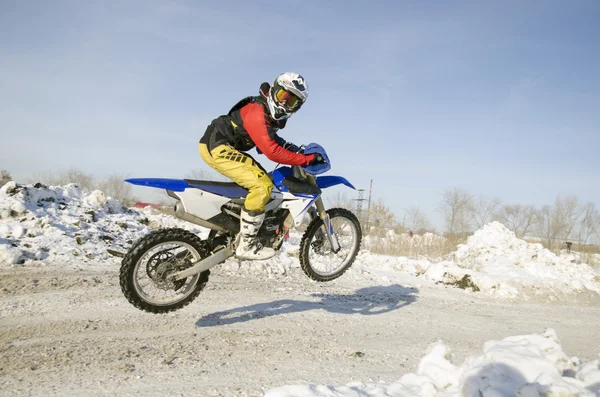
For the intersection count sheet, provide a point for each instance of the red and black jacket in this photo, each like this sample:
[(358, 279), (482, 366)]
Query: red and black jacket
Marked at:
[(249, 124)]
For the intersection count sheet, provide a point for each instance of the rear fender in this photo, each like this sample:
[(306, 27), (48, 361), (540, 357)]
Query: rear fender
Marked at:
[(197, 202), (176, 185)]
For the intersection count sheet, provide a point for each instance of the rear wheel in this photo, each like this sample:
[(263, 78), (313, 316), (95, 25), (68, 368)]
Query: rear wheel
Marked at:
[(317, 259), (145, 270)]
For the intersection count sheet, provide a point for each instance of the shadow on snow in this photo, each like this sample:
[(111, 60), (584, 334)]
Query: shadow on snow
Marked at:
[(365, 301)]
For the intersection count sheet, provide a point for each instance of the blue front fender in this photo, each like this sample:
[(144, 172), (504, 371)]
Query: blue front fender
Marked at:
[(330, 180)]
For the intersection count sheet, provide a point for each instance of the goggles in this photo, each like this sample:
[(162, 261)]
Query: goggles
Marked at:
[(287, 99)]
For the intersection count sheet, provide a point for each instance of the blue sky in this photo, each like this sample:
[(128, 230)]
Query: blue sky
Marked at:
[(500, 98)]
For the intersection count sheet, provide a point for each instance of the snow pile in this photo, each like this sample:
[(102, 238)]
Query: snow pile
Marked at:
[(498, 259), (63, 223), (528, 366), (496, 262), (495, 240)]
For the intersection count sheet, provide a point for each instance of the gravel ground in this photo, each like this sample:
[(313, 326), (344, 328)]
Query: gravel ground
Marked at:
[(71, 332)]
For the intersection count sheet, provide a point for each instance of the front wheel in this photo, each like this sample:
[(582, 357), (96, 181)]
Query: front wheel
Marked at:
[(146, 268), (317, 259)]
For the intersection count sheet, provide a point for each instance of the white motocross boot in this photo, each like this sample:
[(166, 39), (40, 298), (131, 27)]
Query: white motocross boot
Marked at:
[(247, 248)]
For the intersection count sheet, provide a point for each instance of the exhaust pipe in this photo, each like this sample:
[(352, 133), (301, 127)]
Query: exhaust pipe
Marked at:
[(181, 213)]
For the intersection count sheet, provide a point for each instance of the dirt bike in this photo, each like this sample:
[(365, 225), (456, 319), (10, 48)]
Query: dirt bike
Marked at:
[(168, 268)]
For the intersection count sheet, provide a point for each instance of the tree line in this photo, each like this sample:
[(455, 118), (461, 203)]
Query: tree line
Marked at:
[(566, 219)]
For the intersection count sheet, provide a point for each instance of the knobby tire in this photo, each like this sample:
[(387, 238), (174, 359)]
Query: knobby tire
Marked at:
[(307, 238), (127, 272)]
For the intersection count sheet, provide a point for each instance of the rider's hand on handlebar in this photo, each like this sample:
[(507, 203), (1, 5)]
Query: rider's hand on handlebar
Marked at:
[(317, 159)]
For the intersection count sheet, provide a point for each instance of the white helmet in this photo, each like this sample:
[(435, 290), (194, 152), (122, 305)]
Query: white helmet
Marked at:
[(287, 94)]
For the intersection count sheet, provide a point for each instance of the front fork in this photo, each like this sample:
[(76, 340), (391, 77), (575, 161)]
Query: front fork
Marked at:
[(322, 213)]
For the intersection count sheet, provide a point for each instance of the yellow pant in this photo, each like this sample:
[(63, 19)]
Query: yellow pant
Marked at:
[(243, 170)]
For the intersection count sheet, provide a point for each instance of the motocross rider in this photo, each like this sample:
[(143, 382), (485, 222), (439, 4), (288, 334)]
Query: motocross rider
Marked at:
[(254, 122)]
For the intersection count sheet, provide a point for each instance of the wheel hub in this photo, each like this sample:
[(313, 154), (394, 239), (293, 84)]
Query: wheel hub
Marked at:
[(320, 247), (160, 266)]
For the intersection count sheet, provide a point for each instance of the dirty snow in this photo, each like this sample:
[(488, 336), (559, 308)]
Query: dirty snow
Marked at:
[(60, 224)]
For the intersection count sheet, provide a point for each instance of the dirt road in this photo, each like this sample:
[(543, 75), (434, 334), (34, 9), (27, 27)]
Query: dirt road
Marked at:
[(71, 332)]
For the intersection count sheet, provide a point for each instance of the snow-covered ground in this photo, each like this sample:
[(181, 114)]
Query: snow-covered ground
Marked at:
[(504, 307), (524, 365)]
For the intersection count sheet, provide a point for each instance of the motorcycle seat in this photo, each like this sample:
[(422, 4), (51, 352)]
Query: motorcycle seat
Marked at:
[(227, 189)]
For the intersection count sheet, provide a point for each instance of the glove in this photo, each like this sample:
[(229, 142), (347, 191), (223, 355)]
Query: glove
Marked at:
[(317, 159)]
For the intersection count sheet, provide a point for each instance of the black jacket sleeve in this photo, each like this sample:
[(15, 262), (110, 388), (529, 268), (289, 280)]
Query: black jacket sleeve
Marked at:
[(287, 145)]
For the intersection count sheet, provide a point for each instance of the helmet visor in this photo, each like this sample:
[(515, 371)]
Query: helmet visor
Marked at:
[(288, 100)]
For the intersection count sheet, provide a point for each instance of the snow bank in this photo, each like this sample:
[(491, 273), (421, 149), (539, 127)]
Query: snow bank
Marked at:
[(494, 261), (63, 224), (527, 366), (497, 259)]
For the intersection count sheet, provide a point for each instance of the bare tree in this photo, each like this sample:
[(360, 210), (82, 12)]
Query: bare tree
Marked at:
[(204, 175), (483, 209), (518, 218), (556, 223), (569, 211), (199, 175), (83, 180), (341, 200), (589, 224), (415, 220), (381, 216), (455, 206), (4, 177), (116, 187), (547, 225), (43, 177)]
